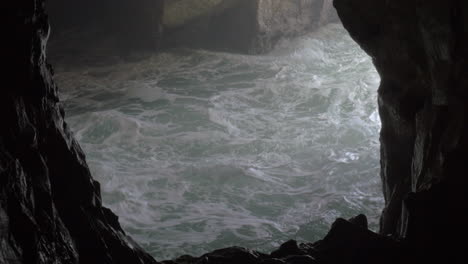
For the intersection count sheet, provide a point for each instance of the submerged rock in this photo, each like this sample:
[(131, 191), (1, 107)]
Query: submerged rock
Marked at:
[(360, 220)]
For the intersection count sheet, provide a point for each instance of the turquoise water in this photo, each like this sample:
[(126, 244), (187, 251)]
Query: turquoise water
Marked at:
[(199, 150)]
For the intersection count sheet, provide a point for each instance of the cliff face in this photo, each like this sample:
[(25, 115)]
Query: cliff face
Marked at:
[(420, 50), (246, 26), (50, 206), (120, 27)]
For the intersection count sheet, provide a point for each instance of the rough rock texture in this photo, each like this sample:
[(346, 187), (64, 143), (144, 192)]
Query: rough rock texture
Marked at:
[(277, 19), (50, 206), (348, 241), (420, 51), (247, 26), (115, 28)]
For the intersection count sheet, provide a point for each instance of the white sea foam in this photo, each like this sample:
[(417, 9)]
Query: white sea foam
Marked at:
[(200, 150)]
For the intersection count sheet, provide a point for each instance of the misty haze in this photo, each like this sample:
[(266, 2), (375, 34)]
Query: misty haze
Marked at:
[(198, 149)]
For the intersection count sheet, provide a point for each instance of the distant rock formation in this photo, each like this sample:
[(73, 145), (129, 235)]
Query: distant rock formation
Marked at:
[(245, 26), (107, 27), (104, 28)]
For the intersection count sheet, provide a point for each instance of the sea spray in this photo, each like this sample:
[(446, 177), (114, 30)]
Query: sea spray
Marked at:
[(199, 150)]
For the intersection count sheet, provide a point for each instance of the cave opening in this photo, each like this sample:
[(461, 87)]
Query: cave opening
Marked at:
[(197, 150)]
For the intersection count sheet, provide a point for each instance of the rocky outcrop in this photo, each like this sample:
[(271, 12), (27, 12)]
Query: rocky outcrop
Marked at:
[(50, 206), (246, 26), (348, 241), (420, 51)]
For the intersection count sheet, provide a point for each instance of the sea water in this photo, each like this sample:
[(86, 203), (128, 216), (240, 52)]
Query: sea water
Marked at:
[(198, 150)]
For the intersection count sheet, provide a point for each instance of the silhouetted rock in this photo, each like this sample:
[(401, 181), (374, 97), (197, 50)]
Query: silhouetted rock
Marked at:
[(300, 259), (360, 220), (420, 49), (350, 243), (231, 255), (287, 249), (50, 206), (346, 242)]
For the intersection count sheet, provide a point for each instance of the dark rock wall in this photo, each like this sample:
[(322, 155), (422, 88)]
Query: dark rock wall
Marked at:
[(348, 241), (50, 206), (420, 51)]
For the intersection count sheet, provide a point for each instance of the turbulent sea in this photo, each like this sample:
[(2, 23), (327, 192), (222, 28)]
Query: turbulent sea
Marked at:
[(199, 150)]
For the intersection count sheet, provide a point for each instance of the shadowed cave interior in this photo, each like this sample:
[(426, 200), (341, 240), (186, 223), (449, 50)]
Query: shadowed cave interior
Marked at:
[(217, 124)]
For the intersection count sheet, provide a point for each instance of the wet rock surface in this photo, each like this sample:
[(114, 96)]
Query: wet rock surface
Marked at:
[(419, 49), (50, 206)]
